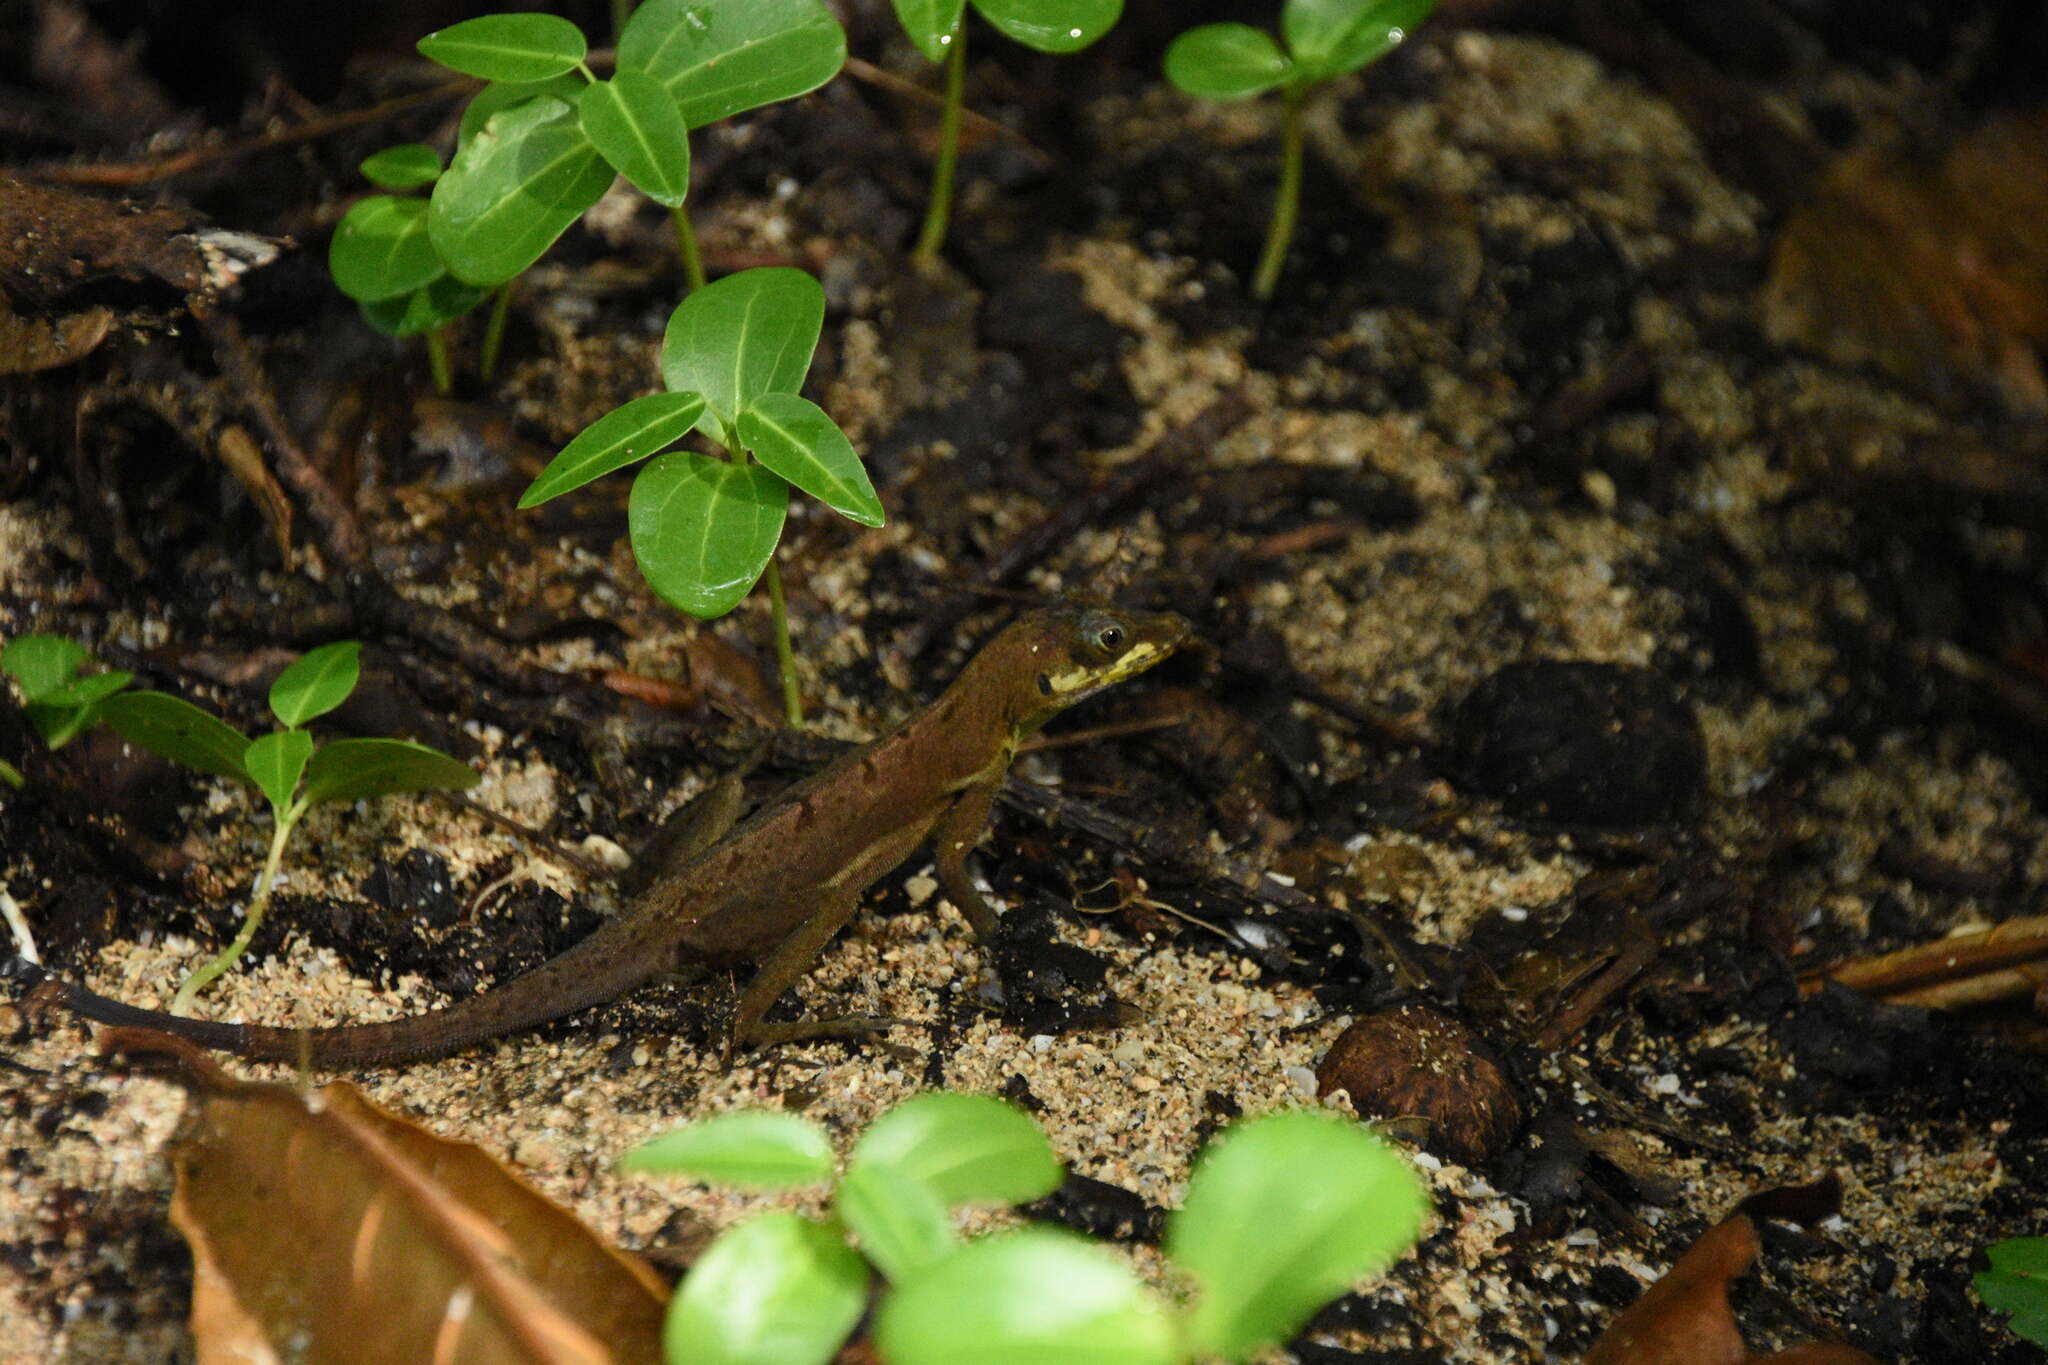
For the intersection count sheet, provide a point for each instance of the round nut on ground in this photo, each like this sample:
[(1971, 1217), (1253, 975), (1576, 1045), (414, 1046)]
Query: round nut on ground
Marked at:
[(1414, 1062)]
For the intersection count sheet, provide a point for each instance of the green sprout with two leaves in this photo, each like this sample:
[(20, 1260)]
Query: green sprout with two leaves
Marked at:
[(292, 771), (704, 527), (938, 28), (1283, 1213), (1325, 39), (540, 144)]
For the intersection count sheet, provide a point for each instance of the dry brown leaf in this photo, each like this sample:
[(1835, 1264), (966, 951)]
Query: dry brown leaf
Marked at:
[(1933, 269), (1685, 1318), (325, 1229)]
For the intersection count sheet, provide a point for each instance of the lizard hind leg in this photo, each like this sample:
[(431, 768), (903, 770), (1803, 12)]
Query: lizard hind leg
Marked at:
[(791, 959)]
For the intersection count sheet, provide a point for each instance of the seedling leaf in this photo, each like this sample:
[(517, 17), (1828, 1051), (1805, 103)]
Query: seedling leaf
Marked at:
[(779, 1290), (1226, 61), (499, 96), (627, 433), (513, 189), (357, 769), (716, 60), (424, 309), (703, 529), (1332, 37), (752, 1149), (798, 440), (1283, 1214), (316, 682), (404, 167), (508, 47), (1034, 1297), (740, 337), (637, 127), (41, 663), (1052, 25), (275, 761), (381, 249), (176, 729), (902, 1225), (966, 1149), (2017, 1283), (931, 24)]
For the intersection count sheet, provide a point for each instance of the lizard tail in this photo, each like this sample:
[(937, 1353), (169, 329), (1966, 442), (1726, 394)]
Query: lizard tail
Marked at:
[(584, 975)]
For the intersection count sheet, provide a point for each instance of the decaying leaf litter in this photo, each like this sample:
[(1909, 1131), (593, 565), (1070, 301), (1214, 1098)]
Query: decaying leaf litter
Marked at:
[(1526, 303)]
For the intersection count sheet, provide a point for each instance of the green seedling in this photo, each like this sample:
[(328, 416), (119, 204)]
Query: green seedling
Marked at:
[(1282, 1214), (542, 142), (939, 30), (2017, 1283), (291, 771), (704, 527), (1325, 39)]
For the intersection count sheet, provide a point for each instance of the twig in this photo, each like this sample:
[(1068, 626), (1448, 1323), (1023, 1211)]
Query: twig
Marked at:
[(2004, 963), (17, 924), (1175, 450), (164, 167), (980, 124)]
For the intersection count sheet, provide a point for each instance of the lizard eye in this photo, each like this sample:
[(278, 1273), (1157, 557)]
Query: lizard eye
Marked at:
[(1045, 683), (1110, 638)]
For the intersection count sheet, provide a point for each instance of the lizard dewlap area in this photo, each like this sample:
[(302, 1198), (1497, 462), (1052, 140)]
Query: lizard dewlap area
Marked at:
[(776, 887)]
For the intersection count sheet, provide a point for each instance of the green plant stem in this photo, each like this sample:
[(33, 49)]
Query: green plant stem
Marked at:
[(259, 903), (938, 211), (785, 657), (622, 10), (494, 330), (1286, 202), (686, 247), (11, 775), (438, 361)]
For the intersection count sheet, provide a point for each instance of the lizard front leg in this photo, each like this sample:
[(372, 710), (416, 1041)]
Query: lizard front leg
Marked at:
[(955, 836)]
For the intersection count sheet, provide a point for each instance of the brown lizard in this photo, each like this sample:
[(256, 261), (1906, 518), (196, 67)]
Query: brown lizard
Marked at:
[(777, 886)]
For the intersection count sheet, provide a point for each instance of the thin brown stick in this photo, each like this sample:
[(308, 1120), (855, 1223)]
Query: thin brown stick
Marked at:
[(193, 158), (981, 125)]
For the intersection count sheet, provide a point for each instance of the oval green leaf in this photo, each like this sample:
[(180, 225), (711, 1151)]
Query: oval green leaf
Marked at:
[(81, 692), (1052, 25), (1330, 38), (798, 440), (2017, 1283), (716, 60), (41, 663), (966, 1149), (1226, 62), (508, 47), (275, 761), (404, 167), (903, 1226), (779, 1290), (513, 189), (741, 337), (316, 682), (381, 249), (703, 529), (424, 309), (756, 1149), (176, 729), (499, 96), (630, 432), (1283, 1214), (931, 24), (1034, 1297), (636, 126), (359, 769)]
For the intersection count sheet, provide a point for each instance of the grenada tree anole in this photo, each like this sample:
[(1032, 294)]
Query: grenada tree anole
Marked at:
[(776, 887)]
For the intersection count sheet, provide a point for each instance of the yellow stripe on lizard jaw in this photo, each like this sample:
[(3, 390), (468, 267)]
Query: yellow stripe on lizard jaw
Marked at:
[(1134, 660)]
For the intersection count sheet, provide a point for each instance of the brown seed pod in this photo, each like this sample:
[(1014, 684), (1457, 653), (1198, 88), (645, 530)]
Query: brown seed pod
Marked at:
[(1414, 1062)]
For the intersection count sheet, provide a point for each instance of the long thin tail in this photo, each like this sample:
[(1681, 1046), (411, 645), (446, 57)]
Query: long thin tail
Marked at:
[(591, 971)]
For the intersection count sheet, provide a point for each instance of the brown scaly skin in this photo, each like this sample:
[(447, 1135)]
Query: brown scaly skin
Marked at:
[(778, 886)]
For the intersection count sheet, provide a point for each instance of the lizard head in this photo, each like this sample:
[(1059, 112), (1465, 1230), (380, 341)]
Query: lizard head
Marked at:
[(1051, 659)]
